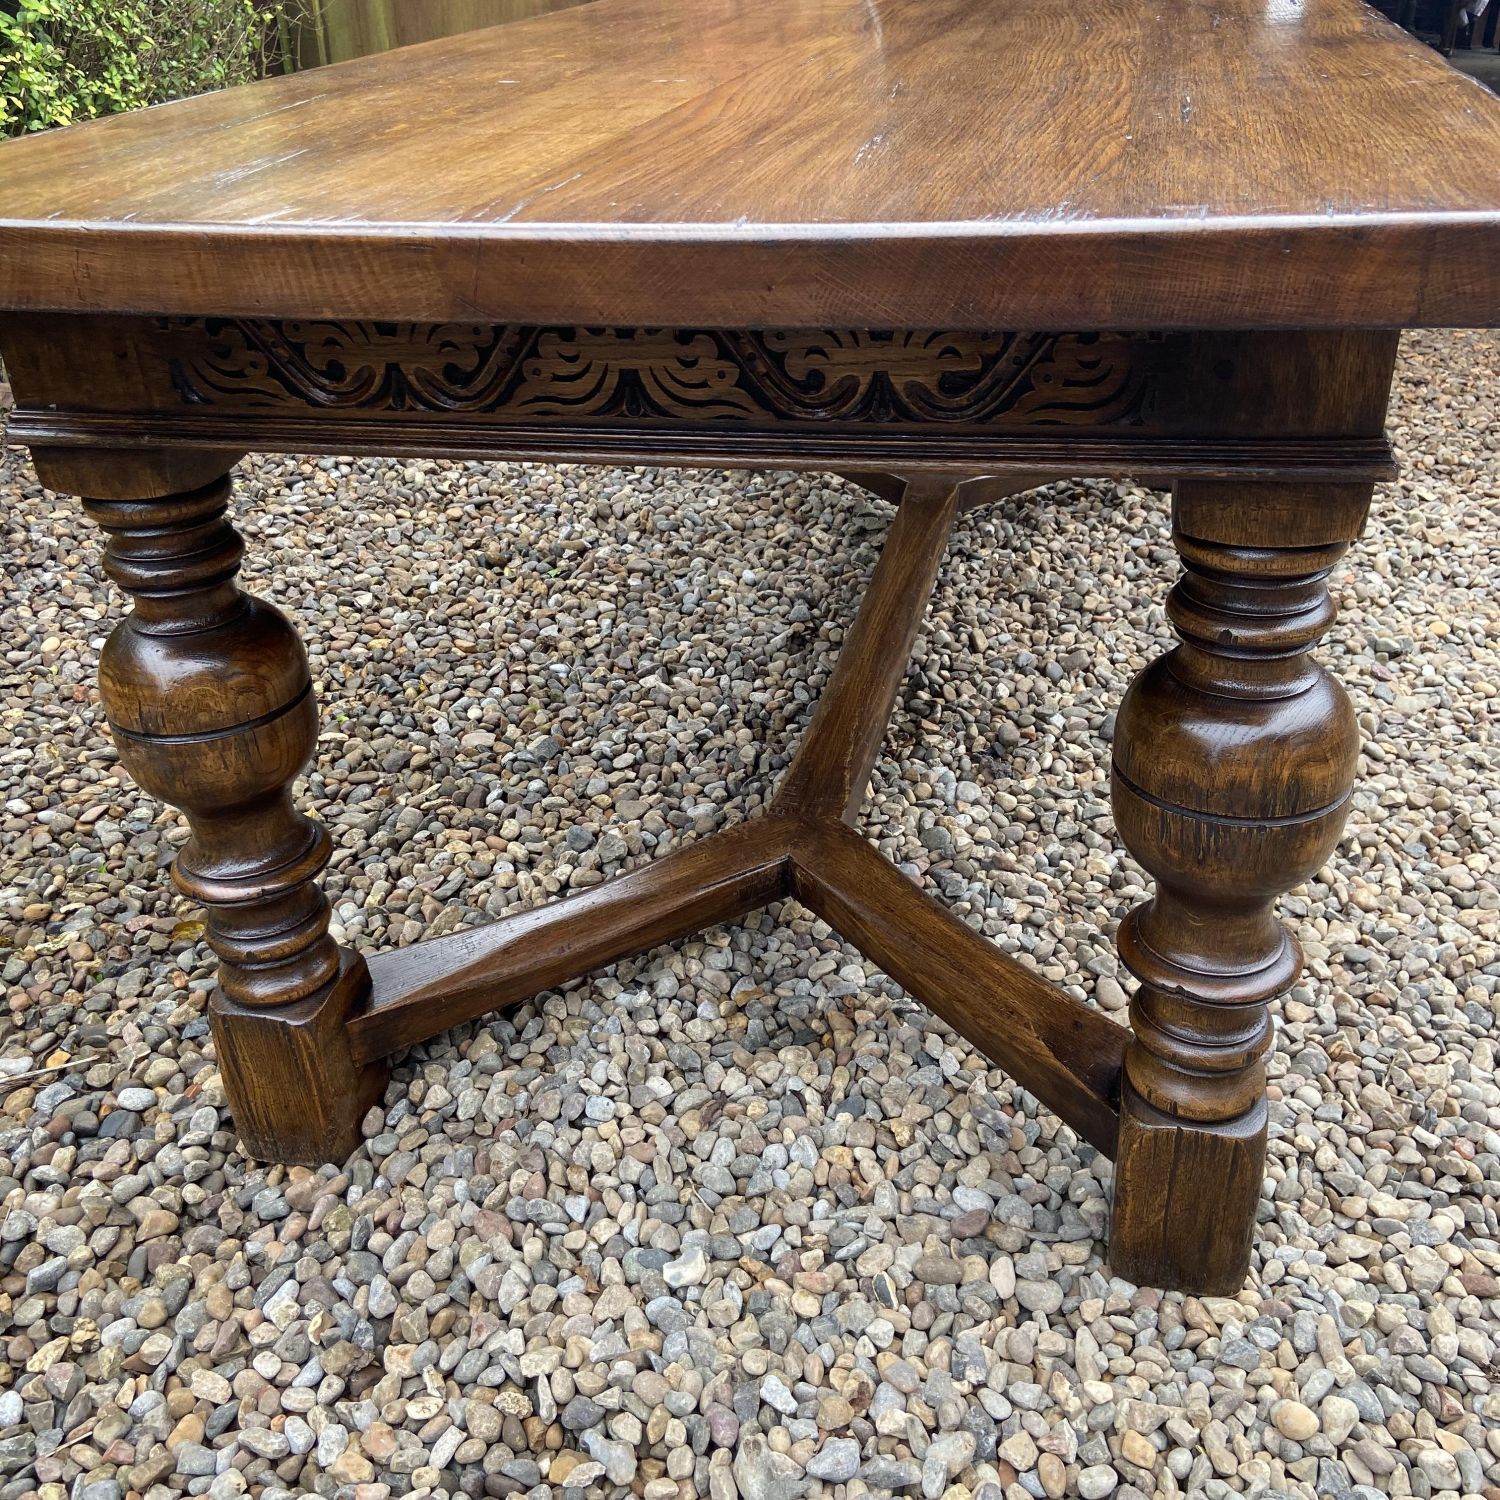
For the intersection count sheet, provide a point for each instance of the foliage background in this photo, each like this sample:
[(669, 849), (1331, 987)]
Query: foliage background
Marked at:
[(67, 60)]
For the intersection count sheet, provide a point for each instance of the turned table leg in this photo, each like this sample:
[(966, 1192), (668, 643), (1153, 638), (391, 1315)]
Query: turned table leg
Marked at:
[(208, 694), (1234, 758)]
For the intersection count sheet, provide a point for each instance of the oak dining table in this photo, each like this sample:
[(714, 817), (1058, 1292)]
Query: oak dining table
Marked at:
[(948, 248)]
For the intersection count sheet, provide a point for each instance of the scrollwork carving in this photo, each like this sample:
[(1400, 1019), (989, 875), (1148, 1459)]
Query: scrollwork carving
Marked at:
[(826, 377), (642, 373)]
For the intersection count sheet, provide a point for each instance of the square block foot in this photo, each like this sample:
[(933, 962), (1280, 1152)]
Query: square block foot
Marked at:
[(295, 1090)]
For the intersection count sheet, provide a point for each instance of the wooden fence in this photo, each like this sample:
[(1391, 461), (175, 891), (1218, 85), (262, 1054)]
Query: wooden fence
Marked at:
[(336, 30)]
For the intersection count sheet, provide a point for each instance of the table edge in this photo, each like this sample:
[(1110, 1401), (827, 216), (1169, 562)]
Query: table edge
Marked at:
[(1354, 271)]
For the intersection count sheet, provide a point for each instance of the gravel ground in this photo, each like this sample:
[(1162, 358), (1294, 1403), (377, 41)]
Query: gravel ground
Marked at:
[(738, 1218)]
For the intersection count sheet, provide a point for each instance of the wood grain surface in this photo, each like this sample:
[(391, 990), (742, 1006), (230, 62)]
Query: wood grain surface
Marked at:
[(907, 163)]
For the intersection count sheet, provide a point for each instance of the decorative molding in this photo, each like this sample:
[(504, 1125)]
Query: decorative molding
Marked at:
[(521, 374), (898, 450)]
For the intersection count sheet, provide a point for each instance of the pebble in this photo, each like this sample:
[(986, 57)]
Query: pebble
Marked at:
[(736, 1218), (836, 1461), (1337, 1417), (1019, 1450), (1039, 1296), (618, 1458), (761, 1473), (1097, 1481), (774, 1393), (1293, 1420), (1052, 1474), (687, 1270), (581, 1413), (1440, 1468)]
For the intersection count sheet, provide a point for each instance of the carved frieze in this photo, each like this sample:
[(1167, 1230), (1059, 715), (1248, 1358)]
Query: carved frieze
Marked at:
[(825, 377)]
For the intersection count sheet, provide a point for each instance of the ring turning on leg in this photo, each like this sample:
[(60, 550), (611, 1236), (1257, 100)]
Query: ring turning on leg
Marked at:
[(208, 693), (1234, 759)]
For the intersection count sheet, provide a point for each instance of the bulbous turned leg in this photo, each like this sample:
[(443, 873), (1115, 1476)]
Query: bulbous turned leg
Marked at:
[(208, 693), (1234, 759)]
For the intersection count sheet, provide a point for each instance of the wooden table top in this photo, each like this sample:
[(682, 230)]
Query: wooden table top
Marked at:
[(875, 163)]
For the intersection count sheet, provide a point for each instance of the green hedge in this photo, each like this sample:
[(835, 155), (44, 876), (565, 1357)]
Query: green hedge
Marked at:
[(66, 60)]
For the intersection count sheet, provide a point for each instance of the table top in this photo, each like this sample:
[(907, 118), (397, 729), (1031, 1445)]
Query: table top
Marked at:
[(869, 163)]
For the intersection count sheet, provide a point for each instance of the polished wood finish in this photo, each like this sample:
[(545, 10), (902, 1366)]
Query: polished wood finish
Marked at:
[(211, 704), (1014, 406), (827, 234), (209, 697), (133, 474), (296, 1086), (1234, 761), (828, 163)]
